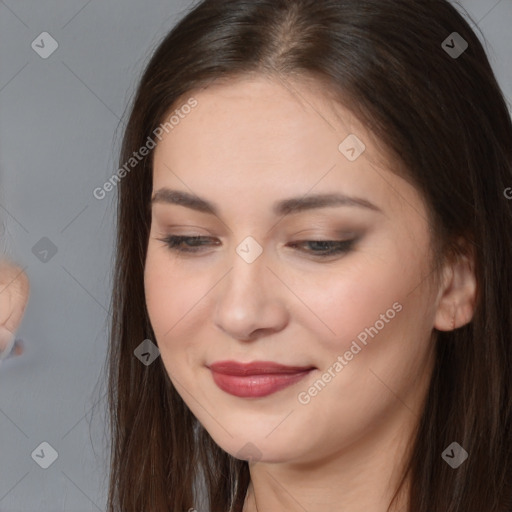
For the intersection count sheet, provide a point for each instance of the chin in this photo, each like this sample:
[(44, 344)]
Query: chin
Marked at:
[(256, 448)]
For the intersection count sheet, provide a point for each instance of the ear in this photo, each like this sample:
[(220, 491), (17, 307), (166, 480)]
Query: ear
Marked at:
[(457, 295)]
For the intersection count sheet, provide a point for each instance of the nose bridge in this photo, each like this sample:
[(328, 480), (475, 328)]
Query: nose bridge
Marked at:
[(246, 300), (248, 269)]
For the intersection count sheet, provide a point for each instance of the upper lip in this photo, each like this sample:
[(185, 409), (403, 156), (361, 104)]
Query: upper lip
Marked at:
[(255, 368)]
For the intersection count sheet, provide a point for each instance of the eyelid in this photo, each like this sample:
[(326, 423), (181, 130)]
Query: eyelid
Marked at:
[(341, 247), (166, 228)]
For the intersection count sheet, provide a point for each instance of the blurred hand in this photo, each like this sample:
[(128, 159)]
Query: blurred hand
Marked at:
[(14, 293)]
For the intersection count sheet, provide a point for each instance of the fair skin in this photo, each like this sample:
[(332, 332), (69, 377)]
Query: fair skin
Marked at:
[(247, 145), (14, 294)]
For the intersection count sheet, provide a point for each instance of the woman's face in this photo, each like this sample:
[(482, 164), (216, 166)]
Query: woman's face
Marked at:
[(261, 285)]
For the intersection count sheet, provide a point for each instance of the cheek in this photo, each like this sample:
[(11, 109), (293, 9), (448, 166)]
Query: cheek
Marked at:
[(372, 313), (170, 292), (340, 304), (160, 301), (177, 303)]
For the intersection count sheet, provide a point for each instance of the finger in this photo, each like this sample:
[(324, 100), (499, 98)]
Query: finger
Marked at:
[(14, 292)]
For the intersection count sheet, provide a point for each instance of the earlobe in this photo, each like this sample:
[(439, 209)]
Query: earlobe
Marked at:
[(457, 300)]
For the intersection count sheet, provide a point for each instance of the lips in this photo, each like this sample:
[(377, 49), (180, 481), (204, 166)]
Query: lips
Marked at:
[(256, 379)]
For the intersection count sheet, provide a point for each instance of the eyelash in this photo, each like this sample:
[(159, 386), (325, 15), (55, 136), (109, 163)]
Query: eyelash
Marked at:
[(174, 242)]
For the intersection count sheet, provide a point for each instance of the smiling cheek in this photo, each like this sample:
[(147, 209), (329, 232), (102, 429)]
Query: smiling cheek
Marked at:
[(175, 301), (345, 303)]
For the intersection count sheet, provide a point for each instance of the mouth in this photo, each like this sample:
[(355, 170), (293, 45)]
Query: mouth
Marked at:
[(256, 379)]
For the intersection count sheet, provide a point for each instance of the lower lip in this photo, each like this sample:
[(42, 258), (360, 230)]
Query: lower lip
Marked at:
[(254, 386)]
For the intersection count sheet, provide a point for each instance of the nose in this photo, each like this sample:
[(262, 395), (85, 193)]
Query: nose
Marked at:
[(251, 301)]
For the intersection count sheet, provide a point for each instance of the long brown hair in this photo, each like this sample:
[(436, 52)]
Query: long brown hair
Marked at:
[(445, 120)]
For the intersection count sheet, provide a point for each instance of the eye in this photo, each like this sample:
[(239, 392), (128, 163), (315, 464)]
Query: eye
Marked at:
[(319, 248), (175, 242), (326, 247)]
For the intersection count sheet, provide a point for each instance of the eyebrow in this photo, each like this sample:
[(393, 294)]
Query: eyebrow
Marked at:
[(282, 207)]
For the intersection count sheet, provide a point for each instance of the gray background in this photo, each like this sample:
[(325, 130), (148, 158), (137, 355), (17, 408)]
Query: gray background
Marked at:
[(60, 123)]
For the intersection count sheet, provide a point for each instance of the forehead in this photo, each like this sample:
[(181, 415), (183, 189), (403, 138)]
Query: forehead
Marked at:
[(270, 138), (263, 123), (286, 115)]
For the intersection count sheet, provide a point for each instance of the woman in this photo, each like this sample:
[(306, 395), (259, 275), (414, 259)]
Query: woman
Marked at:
[(312, 229)]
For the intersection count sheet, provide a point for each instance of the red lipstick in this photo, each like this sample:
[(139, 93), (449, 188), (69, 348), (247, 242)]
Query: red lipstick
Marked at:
[(256, 379)]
